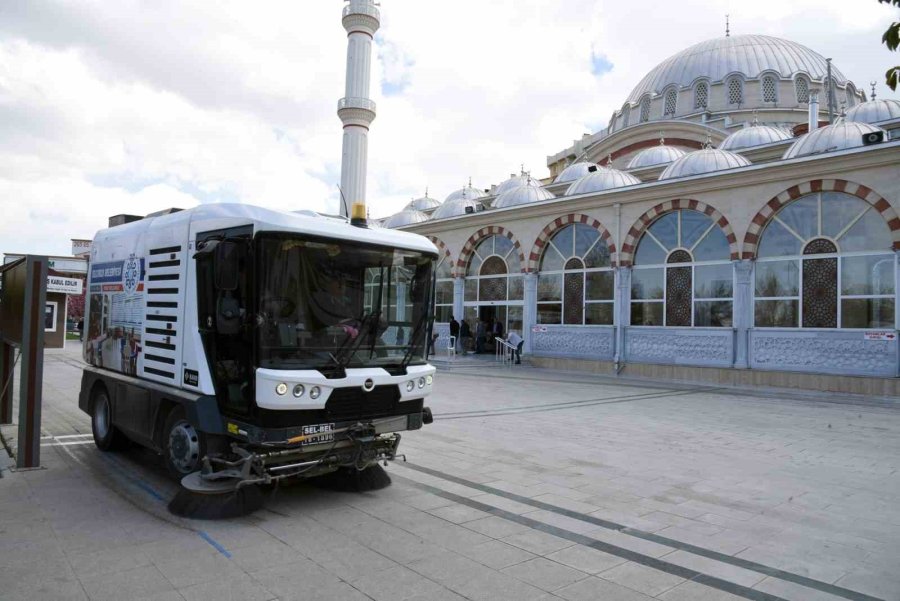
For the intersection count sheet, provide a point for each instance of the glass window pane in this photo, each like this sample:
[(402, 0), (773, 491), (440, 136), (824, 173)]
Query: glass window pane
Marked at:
[(838, 210), (869, 233), (802, 216), (516, 287), (444, 269), (777, 278), (599, 255), (646, 314), (777, 241), (442, 314), (515, 266), (493, 266), (549, 287), (502, 245), (666, 230), (471, 289), (776, 314), (598, 314), (585, 236), (492, 289), (600, 285), (573, 299), (551, 259), (647, 283), (474, 264), (443, 293), (514, 320), (867, 275), (713, 247), (485, 247), (713, 281), (563, 240), (712, 314), (867, 313), (649, 252), (693, 224), (549, 313)]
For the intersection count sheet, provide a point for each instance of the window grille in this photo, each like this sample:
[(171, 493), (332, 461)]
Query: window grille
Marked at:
[(770, 93), (671, 102), (735, 91), (701, 95), (802, 86), (645, 109)]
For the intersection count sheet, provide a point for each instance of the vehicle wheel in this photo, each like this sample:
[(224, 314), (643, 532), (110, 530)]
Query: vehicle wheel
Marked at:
[(106, 436), (183, 446)]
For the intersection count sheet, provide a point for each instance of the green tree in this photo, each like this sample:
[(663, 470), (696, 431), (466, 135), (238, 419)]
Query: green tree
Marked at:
[(891, 39)]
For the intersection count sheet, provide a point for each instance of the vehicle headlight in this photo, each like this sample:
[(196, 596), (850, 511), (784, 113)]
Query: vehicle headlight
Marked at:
[(429, 379), (410, 385), (314, 392), (299, 390), (421, 382), (281, 389)]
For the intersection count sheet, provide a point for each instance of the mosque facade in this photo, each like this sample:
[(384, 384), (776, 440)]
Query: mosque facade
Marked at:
[(736, 222)]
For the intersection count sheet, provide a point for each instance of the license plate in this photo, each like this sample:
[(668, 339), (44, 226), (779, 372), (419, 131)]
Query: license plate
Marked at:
[(318, 434)]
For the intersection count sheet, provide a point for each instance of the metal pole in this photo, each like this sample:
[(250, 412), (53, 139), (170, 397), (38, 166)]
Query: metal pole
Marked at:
[(829, 93), (31, 383)]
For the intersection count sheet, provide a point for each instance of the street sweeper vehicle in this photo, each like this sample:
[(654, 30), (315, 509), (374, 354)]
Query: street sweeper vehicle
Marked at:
[(248, 346)]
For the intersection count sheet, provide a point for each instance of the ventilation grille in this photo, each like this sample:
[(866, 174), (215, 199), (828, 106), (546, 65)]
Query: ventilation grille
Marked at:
[(671, 102), (645, 110), (802, 90), (735, 91), (701, 96), (769, 92), (162, 327), (353, 403)]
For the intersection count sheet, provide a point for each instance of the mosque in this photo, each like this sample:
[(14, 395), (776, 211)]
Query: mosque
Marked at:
[(736, 222)]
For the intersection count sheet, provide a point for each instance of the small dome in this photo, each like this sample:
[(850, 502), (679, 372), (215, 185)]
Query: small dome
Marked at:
[(575, 171), (456, 207), (515, 181), (874, 111), (426, 203), (405, 217), (603, 179), (755, 135), (524, 194), (655, 155), (838, 136), (466, 192), (706, 160)]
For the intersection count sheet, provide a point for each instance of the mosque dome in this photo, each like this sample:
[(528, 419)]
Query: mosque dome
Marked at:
[(874, 111), (515, 181), (655, 155), (755, 135), (575, 171), (706, 160), (426, 203), (746, 55), (465, 192), (602, 179), (837, 136), (456, 207), (405, 217), (521, 195)]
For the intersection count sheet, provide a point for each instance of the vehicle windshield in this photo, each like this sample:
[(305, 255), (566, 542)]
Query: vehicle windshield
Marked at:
[(330, 304)]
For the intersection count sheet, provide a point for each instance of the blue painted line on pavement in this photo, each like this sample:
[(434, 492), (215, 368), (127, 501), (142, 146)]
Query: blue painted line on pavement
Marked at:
[(215, 544)]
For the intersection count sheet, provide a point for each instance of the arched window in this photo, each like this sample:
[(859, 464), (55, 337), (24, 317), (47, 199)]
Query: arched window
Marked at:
[(626, 113), (801, 86), (735, 90), (576, 280), (671, 102), (645, 109), (851, 95), (443, 290), (701, 95), (825, 261), (769, 88), (682, 273)]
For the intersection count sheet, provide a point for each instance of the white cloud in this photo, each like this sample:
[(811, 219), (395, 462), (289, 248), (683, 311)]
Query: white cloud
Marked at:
[(133, 107)]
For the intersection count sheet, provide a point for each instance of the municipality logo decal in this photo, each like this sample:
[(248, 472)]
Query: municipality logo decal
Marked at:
[(131, 274)]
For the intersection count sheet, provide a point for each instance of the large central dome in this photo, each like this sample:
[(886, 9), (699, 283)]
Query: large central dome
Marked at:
[(749, 55)]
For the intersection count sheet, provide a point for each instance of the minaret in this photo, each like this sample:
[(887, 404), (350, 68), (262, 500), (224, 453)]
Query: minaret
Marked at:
[(361, 20)]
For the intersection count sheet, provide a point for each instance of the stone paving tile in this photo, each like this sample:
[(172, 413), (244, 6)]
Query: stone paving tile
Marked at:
[(107, 561), (265, 556), (202, 568), (630, 543), (130, 584), (545, 574), (586, 559), (426, 501), (537, 542), (397, 584), (641, 578), (692, 591), (473, 580), (711, 567), (789, 590), (596, 589), (496, 554), (236, 587), (458, 514), (885, 584), (496, 527)]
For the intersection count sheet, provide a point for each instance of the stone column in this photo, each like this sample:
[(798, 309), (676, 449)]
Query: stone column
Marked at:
[(742, 312), (529, 309), (897, 301), (622, 312), (459, 296)]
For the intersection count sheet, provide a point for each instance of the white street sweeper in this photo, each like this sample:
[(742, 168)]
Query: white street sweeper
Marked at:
[(247, 345)]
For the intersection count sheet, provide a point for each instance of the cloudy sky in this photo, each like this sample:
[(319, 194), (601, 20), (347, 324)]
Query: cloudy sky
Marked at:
[(130, 107)]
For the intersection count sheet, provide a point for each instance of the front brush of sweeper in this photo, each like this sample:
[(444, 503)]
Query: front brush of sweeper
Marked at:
[(202, 499)]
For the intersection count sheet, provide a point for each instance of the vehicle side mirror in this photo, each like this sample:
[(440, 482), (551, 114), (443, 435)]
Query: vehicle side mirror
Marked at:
[(226, 265)]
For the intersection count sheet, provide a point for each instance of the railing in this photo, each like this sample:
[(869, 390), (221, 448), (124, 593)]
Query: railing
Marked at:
[(356, 103), (361, 7), (504, 351)]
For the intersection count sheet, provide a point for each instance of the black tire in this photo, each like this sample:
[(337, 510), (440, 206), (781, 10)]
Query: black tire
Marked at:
[(106, 436), (183, 446)]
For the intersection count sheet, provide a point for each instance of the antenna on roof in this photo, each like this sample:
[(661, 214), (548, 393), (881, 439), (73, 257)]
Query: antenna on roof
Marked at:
[(872, 83), (343, 200), (470, 181), (727, 27), (426, 191), (522, 169)]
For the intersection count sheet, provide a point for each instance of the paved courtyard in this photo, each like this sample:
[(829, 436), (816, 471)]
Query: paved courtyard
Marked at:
[(530, 484)]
